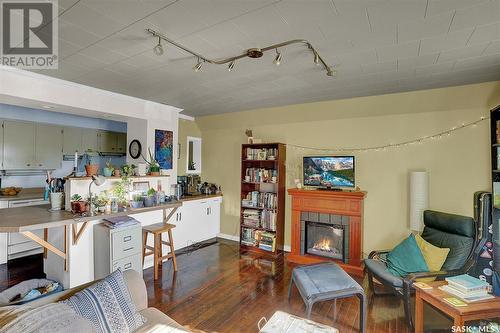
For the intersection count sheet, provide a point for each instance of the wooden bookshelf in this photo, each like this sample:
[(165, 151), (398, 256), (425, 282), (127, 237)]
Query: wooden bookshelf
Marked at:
[(261, 170)]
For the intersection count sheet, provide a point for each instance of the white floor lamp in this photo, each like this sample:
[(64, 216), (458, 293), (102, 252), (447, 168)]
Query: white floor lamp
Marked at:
[(419, 199)]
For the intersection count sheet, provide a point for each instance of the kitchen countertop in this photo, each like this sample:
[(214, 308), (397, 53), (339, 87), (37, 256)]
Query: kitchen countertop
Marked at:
[(199, 197), (40, 217), (25, 194)]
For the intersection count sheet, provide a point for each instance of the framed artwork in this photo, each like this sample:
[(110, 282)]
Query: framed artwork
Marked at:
[(164, 148)]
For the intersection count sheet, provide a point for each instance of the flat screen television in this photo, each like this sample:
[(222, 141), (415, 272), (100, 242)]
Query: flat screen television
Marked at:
[(329, 171)]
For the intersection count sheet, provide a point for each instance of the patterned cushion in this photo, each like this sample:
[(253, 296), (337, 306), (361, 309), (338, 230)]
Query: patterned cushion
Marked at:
[(107, 305)]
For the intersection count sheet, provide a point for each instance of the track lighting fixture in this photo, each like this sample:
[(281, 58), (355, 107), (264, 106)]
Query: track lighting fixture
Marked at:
[(198, 66), (250, 53), (277, 59), (158, 49)]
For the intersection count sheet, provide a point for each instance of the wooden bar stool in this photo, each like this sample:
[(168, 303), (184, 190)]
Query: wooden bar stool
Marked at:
[(157, 230)]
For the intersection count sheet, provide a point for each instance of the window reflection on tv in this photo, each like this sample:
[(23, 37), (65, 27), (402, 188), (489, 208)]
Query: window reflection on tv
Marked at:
[(329, 171)]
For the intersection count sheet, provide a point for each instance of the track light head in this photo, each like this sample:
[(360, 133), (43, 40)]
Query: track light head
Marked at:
[(198, 66), (316, 58), (277, 59), (330, 71), (231, 66), (158, 49)]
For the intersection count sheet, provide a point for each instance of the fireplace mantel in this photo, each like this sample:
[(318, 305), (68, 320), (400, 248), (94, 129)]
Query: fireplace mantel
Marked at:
[(343, 203)]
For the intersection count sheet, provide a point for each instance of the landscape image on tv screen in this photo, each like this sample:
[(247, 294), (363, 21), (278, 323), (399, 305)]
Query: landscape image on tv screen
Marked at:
[(329, 171)]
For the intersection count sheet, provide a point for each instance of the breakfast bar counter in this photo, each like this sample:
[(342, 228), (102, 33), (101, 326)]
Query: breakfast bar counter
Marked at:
[(40, 217)]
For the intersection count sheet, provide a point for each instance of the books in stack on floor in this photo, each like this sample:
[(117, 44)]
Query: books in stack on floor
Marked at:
[(467, 288)]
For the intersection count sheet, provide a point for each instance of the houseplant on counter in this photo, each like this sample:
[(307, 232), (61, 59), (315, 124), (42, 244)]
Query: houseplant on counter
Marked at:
[(108, 169), (153, 165), (78, 205), (121, 192), (150, 198), (92, 168), (101, 201), (137, 201), (128, 170)]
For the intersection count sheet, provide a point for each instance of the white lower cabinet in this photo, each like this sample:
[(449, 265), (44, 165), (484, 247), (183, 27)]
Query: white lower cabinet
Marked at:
[(196, 221), (117, 248)]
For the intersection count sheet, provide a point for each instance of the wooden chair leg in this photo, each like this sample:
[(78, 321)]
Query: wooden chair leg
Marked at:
[(155, 256), (160, 251), (144, 244), (172, 252)]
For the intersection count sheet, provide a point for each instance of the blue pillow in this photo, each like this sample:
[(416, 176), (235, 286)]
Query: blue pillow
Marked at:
[(406, 258), (107, 305)]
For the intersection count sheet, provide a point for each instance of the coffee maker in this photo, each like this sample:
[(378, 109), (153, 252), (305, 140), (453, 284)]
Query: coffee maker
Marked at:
[(193, 182)]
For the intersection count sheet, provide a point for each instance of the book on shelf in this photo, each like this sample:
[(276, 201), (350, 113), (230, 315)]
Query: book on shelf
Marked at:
[(260, 175), (266, 240), (466, 283), (470, 297), (258, 199), (261, 154), (265, 219)]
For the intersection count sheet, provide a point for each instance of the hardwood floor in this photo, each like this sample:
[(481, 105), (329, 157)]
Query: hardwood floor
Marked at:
[(218, 290)]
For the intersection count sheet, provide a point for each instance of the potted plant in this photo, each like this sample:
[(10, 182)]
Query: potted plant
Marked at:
[(78, 205), (100, 202), (108, 169), (137, 201), (121, 191), (153, 165), (92, 168), (150, 198), (128, 170)]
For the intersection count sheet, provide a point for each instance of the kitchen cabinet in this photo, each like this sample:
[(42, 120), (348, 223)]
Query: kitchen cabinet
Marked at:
[(19, 145), (31, 146), (72, 140), (89, 140), (48, 146), (112, 142), (196, 221)]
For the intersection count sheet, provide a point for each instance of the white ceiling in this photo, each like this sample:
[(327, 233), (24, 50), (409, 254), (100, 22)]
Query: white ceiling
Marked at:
[(376, 46)]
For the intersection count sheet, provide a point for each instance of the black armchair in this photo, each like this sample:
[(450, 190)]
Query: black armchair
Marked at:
[(456, 232)]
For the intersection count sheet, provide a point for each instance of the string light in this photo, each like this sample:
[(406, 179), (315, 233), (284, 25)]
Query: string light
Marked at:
[(395, 145)]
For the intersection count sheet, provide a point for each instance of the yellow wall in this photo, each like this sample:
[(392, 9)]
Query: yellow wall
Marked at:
[(458, 165), (186, 128)]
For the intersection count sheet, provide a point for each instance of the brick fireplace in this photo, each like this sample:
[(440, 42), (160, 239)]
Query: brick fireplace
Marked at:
[(327, 226)]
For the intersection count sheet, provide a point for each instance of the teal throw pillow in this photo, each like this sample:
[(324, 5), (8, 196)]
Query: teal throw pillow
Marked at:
[(406, 258)]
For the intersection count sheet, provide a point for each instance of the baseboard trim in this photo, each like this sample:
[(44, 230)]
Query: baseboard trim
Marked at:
[(229, 237)]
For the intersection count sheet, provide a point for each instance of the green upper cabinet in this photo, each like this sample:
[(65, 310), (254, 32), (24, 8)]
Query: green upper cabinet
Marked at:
[(72, 140), (89, 140), (19, 145), (31, 146), (48, 146), (121, 142), (112, 142)]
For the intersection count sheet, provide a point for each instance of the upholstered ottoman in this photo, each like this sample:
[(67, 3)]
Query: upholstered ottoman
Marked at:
[(327, 281)]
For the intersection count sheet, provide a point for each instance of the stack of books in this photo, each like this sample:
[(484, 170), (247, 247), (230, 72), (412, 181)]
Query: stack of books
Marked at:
[(248, 237), (260, 175), (267, 241), (467, 288), (120, 222), (251, 218), (268, 219)]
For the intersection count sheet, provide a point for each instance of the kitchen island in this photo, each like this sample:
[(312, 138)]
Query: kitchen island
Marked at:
[(69, 241)]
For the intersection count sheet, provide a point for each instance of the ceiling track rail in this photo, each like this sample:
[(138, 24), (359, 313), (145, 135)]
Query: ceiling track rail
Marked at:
[(250, 53)]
